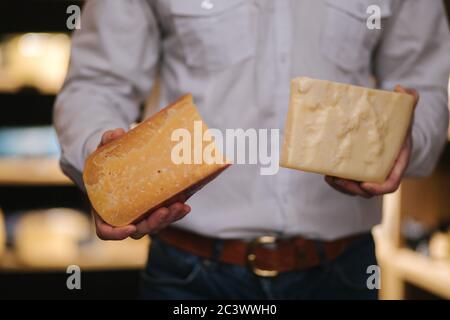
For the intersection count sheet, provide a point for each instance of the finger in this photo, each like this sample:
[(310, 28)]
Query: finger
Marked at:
[(160, 219), (330, 181), (187, 209), (117, 133), (106, 137), (410, 91), (152, 223), (111, 135), (178, 211), (108, 232), (415, 94), (395, 176), (348, 187), (351, 186)]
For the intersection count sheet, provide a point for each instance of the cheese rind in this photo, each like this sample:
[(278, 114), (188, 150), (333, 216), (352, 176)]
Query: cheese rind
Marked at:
[(343, 130), (135, 174)]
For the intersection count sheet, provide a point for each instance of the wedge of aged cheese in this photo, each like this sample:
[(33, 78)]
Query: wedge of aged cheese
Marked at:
[(344, 131), (135, 174)]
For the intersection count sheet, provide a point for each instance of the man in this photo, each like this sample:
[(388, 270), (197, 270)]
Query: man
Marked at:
[(288, 235)]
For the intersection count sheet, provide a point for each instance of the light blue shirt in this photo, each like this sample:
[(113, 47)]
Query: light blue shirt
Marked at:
[(237, 57)]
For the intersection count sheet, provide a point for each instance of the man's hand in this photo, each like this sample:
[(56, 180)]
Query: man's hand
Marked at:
[(157, 220), (367, 189)]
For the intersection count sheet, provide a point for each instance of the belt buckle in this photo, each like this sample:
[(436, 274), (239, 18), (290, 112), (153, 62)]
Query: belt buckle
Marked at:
[(251, 256)]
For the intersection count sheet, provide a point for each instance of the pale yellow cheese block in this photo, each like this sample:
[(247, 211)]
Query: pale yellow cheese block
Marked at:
[(343, 130), (135, 174), (50, 238)]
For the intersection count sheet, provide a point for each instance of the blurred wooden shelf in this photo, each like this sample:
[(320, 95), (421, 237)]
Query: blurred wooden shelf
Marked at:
[(103, 256), (32, 171), (52, 239), (424, 272), (400, 266)]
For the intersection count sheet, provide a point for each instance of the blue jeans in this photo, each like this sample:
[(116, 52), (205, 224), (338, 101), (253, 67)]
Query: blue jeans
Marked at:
[(176, 274)]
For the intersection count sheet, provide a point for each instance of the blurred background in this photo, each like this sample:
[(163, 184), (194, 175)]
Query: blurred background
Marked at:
[(45, 223)]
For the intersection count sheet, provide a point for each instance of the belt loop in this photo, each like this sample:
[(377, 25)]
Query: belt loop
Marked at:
[(320, 248), (217, 250)]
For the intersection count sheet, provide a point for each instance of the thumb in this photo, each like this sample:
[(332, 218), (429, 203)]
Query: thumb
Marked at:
[(410, 91), (111, 135)]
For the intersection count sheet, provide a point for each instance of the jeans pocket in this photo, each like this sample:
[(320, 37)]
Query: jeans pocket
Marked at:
[(170, 280), (169, 266), (351, 269), (351, 279)]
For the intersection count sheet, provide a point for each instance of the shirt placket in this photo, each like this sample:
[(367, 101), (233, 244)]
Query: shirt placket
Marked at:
[(283, 44)]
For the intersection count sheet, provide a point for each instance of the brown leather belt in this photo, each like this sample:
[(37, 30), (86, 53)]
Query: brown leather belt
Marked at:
[(267, 256)]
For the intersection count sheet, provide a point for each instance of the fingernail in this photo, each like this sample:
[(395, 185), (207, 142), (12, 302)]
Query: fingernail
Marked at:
[(368, 188), (131, 229)]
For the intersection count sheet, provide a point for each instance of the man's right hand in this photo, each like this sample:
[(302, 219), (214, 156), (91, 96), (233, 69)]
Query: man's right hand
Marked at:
[(154, 222)]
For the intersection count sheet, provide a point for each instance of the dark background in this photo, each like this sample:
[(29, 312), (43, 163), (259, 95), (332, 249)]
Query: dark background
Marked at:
[(27, 108)]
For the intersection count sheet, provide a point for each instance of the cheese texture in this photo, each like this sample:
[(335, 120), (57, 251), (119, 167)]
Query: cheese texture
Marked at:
[(135, 174), (343, 130)]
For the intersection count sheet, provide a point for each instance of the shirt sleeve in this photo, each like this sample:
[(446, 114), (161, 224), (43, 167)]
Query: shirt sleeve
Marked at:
[(415, 52), (113, 61)]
